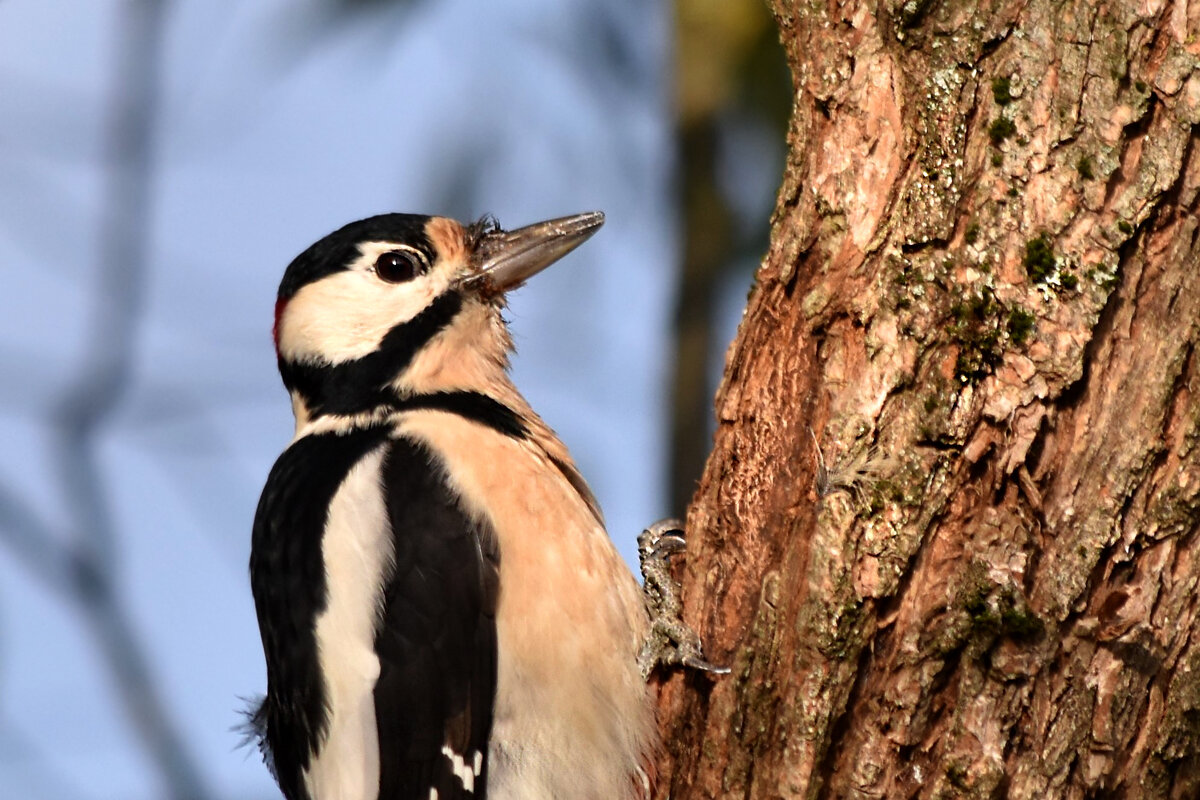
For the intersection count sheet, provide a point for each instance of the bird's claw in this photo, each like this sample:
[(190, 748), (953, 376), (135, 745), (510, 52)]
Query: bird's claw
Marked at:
[(704, 666), (670, 641), (660, 540)]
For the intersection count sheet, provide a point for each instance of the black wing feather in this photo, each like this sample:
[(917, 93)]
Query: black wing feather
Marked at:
[(287, 576), (437, 640)]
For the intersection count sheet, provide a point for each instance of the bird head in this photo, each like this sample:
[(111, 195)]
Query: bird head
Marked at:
[(403, 304)]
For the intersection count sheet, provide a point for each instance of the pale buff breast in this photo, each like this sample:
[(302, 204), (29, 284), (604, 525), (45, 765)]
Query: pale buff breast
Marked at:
[(573, 717)]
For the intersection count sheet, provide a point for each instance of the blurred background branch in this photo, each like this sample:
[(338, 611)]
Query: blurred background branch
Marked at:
[(161, 163), (732, 104), (86, 566)]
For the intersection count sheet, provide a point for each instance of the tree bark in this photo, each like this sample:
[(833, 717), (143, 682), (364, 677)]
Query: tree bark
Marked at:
[(947, 537)]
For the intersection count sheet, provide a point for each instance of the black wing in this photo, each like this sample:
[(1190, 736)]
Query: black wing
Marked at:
[(437, 640), (287, 577)]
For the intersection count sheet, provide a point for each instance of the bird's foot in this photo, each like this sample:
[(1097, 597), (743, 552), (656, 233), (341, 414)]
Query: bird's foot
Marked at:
[(670, 641)]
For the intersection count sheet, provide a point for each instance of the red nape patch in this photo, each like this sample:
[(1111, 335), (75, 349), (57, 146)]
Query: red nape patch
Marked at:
[(280, 305)]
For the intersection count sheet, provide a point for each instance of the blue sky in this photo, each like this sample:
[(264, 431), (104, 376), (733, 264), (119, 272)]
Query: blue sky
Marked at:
[(274, 128)]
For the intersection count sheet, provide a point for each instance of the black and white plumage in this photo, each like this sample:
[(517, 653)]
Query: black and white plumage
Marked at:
[(442, 613)]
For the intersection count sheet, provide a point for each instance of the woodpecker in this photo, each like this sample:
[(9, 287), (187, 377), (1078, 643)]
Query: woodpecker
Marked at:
[(442, 612)]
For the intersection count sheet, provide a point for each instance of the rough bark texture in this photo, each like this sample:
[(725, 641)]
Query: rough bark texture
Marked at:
[(982, 300)]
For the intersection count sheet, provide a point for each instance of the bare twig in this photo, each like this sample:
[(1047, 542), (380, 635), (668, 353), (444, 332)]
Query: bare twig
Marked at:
[(88, 558), (33, 541)]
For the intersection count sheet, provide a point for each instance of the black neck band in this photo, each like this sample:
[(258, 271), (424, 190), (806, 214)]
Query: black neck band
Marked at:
[(475, 406), (353, 387)]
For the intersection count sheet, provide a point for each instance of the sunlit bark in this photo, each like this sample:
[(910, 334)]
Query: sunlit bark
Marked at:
[(947, 536)]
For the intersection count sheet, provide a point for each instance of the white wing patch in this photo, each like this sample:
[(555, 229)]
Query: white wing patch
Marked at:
[(467, 773), (356, 549)]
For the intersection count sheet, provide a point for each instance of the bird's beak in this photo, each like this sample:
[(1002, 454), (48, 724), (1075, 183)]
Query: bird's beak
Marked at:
[(504, 260)]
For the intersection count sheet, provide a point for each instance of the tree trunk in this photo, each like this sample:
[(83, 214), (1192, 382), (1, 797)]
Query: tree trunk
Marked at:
[(947, 536)]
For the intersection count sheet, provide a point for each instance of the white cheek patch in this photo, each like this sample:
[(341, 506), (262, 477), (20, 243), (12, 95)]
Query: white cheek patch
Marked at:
[(344, 316)]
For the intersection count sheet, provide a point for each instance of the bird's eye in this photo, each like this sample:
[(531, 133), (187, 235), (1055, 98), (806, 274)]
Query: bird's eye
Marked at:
[(398, 266)]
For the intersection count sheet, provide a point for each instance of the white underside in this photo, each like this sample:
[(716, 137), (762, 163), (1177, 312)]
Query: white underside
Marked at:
[(357, 549)]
